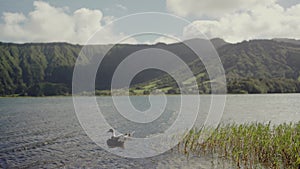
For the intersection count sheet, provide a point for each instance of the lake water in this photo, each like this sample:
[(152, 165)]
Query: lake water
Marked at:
[(45, 132)]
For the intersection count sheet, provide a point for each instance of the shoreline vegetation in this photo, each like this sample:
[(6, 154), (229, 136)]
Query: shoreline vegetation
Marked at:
[(253, 145), (108, 94), (134, 92)]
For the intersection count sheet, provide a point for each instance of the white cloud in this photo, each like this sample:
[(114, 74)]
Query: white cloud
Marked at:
[(160, 38), (12, 18), (166, 39), (52, 24), (211, 8), (261, 21), (108, 19), (120, 6)]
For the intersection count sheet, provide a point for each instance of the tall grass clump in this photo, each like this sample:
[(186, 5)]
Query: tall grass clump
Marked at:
[(254, 145)]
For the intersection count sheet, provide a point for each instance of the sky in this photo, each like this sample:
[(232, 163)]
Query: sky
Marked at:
[(76, 21)]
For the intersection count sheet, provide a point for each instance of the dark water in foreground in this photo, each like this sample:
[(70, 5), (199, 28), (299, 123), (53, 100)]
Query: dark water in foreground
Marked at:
[(45, 133)]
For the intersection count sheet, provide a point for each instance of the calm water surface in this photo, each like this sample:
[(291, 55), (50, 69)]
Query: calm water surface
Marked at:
[(45, 133)]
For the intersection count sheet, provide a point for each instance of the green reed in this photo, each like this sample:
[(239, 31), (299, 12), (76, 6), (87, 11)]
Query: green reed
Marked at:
[(254, 145)]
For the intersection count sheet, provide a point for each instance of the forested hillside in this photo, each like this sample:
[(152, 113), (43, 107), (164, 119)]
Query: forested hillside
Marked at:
[(257, 66)]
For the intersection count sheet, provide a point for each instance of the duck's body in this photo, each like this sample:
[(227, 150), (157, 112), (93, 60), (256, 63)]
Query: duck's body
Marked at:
[(117, 141)]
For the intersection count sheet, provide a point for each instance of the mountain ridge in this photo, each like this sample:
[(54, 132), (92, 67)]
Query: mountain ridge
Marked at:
[(254, 66)]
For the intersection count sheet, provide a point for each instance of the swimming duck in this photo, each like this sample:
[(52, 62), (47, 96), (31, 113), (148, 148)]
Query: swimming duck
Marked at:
[(117, 141)]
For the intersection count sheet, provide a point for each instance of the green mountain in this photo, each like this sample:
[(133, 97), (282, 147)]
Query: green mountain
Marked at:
[(286, 40), (257, 66), (31, 68), (267, 66)]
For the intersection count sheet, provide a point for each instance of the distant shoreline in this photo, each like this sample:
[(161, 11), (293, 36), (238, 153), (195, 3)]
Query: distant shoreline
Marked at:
[(230, 94)]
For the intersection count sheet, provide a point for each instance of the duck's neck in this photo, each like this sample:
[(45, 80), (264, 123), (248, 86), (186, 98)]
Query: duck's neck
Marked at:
[(113, 133)]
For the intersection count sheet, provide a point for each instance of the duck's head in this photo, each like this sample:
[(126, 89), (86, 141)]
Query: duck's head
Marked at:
[(110, 131)]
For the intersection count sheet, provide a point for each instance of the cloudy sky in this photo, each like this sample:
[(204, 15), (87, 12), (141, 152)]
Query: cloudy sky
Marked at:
[(75, 21)]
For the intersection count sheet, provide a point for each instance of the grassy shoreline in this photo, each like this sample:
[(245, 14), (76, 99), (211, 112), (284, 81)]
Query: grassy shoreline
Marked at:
[(254, 145), (70, 95)]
